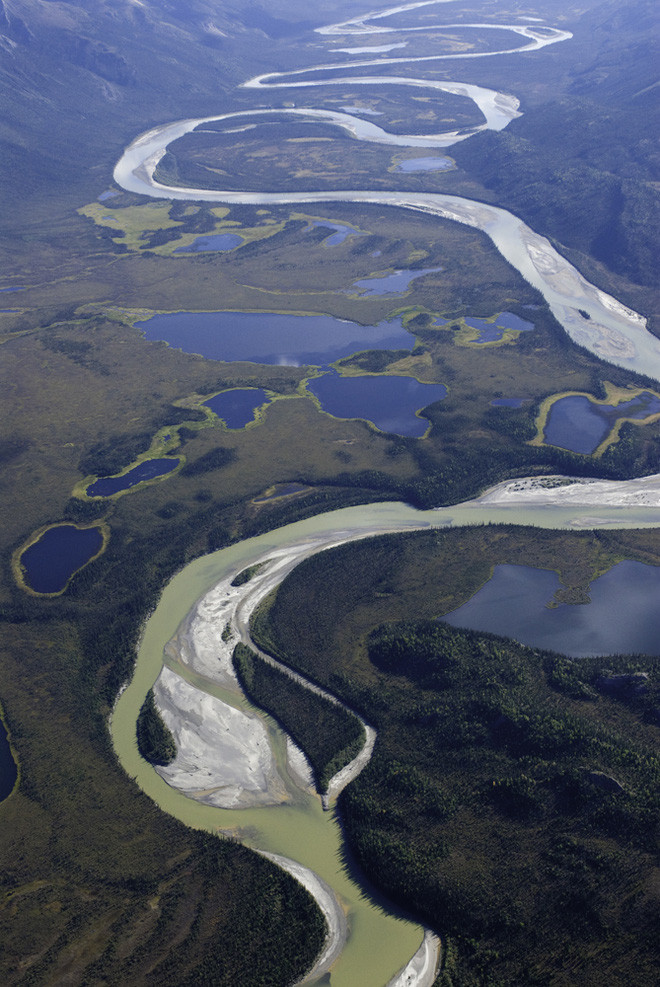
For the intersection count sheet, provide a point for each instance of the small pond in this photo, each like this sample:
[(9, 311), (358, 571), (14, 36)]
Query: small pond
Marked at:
[(273, 338), (394, 283), (493, 332), (20, 287), (60, 552), (623, 616), (8, 770), (237, 407), (578, 424), (280, 490), (424, 164), (216, 241), (390, 403), (150, 469), (340, 232)]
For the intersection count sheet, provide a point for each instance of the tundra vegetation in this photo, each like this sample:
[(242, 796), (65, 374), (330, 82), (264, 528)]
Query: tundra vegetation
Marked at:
[(100, 886), (512, 799)]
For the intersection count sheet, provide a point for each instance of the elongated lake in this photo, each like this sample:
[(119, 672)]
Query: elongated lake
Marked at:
[(150, 469), (623, 615), (273, 338)]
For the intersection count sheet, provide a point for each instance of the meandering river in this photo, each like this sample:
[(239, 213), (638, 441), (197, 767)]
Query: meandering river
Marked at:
[(378, 944)]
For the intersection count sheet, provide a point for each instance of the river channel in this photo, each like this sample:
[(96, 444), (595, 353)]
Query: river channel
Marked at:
[(378, 944)]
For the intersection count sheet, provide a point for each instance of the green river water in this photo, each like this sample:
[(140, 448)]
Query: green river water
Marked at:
[(379, 944)]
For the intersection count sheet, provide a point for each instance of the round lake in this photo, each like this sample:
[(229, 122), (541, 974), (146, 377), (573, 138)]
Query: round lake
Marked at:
[(390, 403), (57, 554), (150, 469), (623, 616), (273, 338)]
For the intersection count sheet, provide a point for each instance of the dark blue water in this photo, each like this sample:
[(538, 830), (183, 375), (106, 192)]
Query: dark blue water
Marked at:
[(389, 284), (8, 770), (389, 402), (61, 551), (577, 424), (148, 470), (425, 164), (107, 195), (623, 616), (20, 287), (507, 402), (340, 232), (493, 332), (237, 407), (216, 241), (267, 337)]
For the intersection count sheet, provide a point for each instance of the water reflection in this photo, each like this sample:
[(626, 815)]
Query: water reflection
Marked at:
[(623, 616), (273, 338)]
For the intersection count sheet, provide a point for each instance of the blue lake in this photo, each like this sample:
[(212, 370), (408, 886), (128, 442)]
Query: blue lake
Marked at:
[(237, 407), (268, 337), (340, 232), (20, 287), (425, 164), (148, 470), (577, 424), (493, 332), (216, 241), (394, 283), (59, 553), (389, 402), (623, 616), (109, 194), (8, 770)]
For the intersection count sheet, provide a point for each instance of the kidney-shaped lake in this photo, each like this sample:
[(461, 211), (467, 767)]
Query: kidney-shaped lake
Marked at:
[(57, 554)]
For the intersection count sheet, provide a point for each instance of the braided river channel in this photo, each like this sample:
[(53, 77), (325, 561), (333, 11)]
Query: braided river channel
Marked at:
[(369, 944)]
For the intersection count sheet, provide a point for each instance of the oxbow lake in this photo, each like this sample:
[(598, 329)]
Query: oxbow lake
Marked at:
[(623, 616)]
